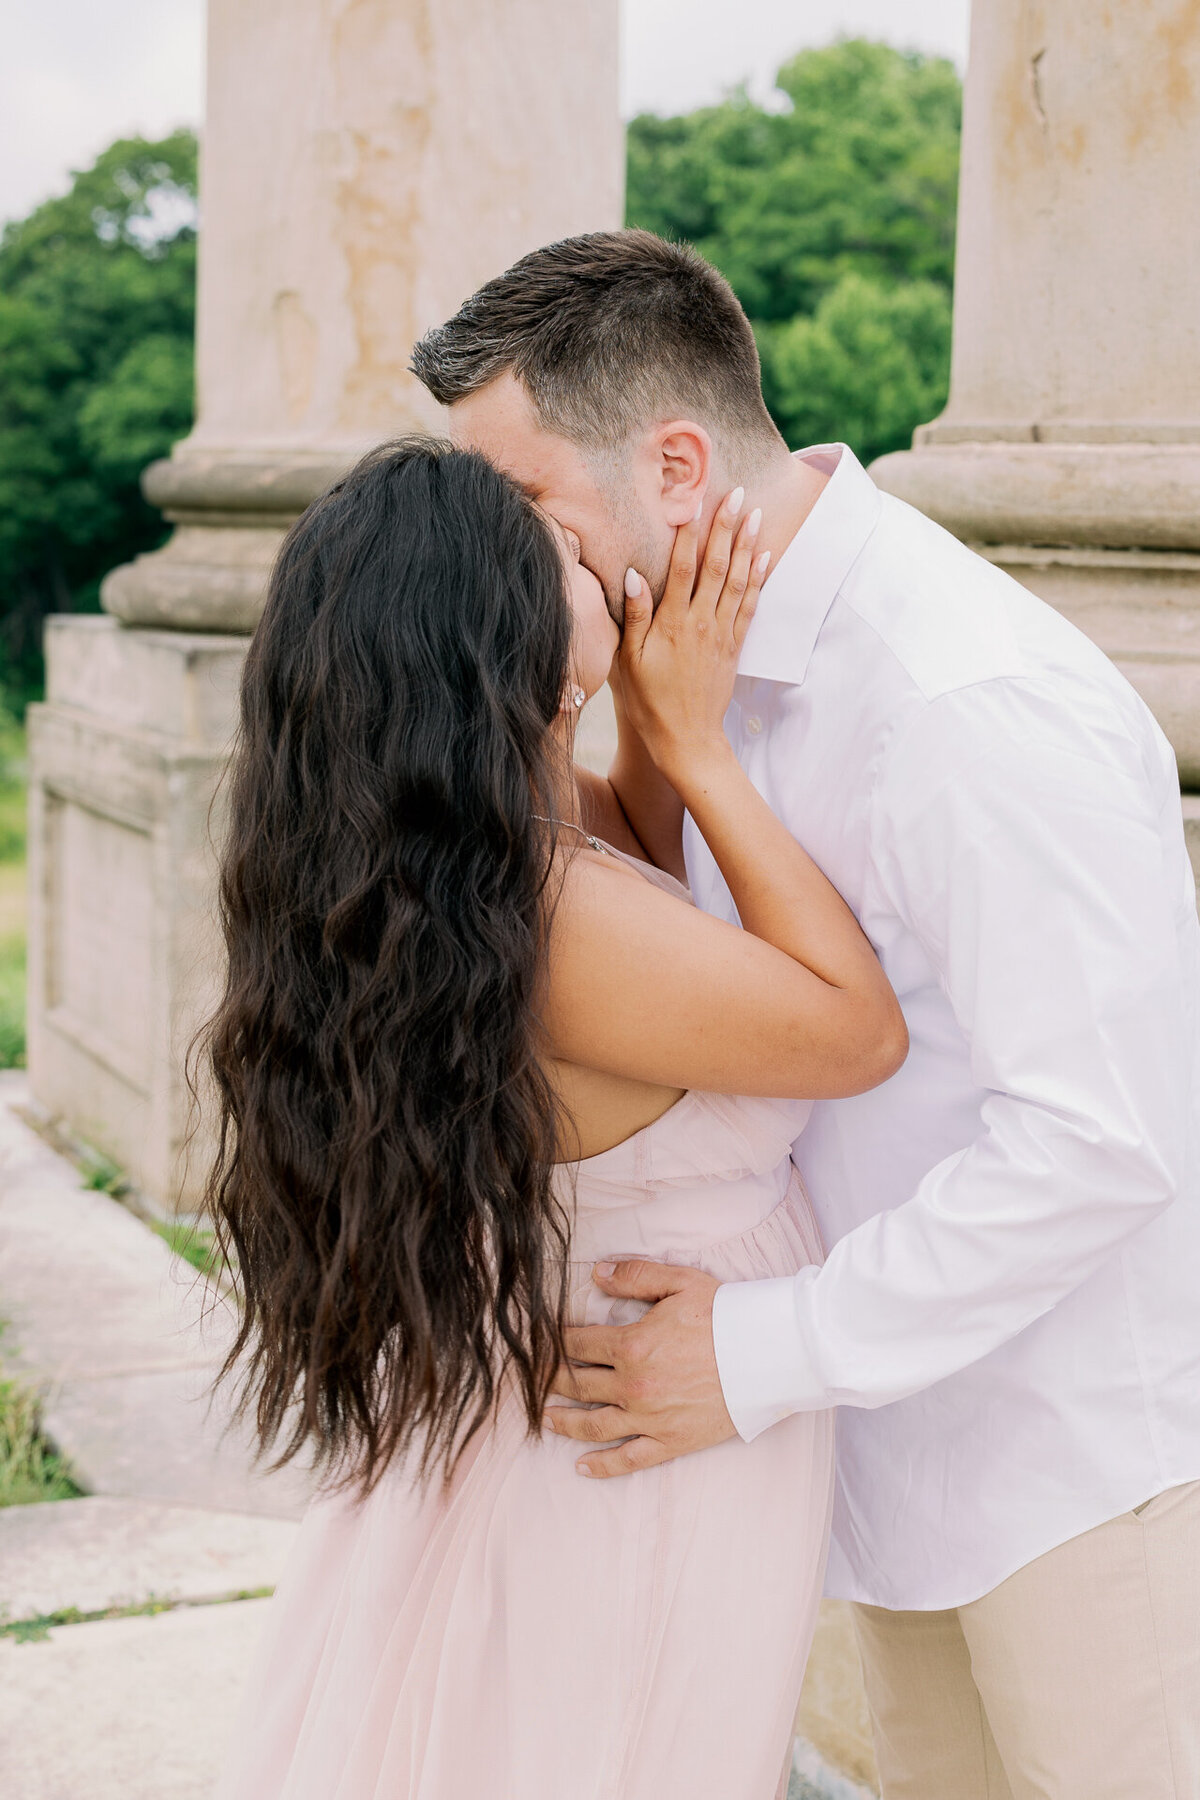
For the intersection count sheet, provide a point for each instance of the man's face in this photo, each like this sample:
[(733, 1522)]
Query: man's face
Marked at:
[(614, 520)]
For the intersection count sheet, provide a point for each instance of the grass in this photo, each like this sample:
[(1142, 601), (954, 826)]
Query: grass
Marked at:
[(103, 1176), (183, 1237), (29, 1469), (12, 893), (12, 996), (34, 1631), (192, 1242)]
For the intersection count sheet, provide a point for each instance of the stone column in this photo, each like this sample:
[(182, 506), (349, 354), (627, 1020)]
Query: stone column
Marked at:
[(1069, 451), (365, 165)]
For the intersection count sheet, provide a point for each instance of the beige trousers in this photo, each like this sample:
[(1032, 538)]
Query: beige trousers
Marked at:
[(1078, 1678)]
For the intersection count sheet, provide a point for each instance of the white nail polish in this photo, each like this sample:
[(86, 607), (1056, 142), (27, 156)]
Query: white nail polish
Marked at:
[(735, 502), (633, 584), (698, 511), (753, 522), (760, 567)]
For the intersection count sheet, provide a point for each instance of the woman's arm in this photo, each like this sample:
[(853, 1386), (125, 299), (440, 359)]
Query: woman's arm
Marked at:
[(633, 806), (645, 986), (646, 798)]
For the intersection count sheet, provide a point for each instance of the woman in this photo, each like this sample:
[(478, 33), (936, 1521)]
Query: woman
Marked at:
[(470, 1042)]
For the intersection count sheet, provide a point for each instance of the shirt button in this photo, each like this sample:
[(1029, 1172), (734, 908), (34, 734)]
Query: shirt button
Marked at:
[(754, 725)]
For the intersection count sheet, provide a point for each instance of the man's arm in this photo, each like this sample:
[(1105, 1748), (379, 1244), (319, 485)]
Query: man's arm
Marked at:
[(1026, 855), (1025, 852)]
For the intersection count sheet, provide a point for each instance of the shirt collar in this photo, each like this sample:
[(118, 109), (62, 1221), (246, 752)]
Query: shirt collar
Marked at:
[(808, 575)]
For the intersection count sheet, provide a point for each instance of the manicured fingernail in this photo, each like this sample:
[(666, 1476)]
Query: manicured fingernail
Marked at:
[(734, 502), (582, 1469), (605, 1270), (753, 522), (760, 567), (633, 584), (698, 511)]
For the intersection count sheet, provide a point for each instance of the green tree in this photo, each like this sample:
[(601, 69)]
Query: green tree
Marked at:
[(867, 367), (823, 213), (97, 310)]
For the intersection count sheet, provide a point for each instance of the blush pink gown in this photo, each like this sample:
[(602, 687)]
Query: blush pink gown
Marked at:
[(531, 1635)]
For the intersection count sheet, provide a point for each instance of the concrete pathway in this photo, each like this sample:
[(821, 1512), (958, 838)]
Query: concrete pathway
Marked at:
[(122, 1337), (123, 1340), (127, 1709)]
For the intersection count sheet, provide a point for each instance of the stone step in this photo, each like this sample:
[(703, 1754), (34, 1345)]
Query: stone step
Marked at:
[(125, 1709), (813, 1779), (98, 1553), (165, 1436)]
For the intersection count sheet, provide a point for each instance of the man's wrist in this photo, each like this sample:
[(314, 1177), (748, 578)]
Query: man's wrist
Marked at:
[(763, 1363)]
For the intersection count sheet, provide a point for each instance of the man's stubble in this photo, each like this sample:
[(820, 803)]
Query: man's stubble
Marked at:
[(631, 532)]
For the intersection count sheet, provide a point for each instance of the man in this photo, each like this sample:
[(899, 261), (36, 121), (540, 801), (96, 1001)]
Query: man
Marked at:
[(1008, 1316)]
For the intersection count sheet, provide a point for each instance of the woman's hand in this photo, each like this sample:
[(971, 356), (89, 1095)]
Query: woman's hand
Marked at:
[(677, 665)]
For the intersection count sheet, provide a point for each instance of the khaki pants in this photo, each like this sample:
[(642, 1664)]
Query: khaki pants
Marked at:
[(1078, 1678)]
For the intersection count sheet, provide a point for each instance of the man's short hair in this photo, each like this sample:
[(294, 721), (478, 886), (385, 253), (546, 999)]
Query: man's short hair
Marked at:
[(609, 333)]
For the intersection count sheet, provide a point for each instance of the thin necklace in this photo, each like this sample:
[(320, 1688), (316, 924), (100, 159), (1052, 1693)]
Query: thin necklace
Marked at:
[(587, 837)]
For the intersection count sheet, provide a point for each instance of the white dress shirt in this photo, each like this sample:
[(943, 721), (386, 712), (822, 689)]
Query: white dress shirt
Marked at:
[(1009, 1313)]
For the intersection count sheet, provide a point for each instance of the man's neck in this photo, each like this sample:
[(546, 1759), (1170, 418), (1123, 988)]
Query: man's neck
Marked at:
[(787, 493)]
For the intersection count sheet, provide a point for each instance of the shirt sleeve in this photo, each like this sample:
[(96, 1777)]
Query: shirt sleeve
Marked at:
[(1038, 862)]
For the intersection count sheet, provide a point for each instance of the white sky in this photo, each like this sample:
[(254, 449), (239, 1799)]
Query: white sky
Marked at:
[(75, 74)]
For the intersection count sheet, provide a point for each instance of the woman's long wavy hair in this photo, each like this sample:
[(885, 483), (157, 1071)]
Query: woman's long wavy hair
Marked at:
[(383, 1180)]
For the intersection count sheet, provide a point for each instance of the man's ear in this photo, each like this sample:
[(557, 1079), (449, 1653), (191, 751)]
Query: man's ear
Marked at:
[(684, 455)]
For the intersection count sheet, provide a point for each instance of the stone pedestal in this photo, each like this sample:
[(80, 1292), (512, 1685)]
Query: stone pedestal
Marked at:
[(1069, 450), (363, 169), (124, 759)]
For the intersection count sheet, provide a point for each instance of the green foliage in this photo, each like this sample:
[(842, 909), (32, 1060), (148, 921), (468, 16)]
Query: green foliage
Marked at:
[(103, 1176), (183, 1237), (121, 423), (869, 366), (37, 1630), (29, 1469), (195, 1245), (12, 893), (12, 1003), (12, 789), (833, 219), (97, 308)]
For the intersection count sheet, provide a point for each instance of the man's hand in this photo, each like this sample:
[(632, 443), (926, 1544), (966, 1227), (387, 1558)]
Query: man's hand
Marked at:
[(656, 1381)]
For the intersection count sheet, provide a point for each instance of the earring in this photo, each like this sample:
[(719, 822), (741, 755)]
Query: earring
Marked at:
[(576, 696)]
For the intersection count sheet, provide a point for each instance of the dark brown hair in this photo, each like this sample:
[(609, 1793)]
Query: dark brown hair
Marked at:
[(383, 1185), (607, 333)]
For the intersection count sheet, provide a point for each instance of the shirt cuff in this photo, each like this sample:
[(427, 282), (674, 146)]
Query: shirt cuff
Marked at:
[(762, 1353)]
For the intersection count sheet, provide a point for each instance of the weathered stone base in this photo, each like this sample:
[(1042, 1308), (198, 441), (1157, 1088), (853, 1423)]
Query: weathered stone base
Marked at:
[(1059, 517), (124, 961), (1143, 609), (125, 755)]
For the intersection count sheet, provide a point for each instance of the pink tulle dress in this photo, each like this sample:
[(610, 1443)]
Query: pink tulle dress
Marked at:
[(528, 1634)]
